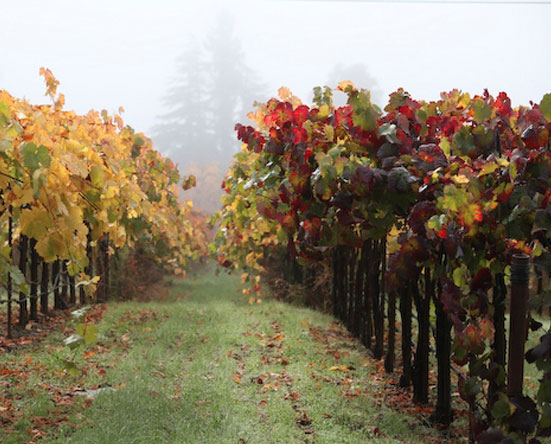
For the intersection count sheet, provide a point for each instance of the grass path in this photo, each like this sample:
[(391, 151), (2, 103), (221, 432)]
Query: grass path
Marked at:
[(203, 366)]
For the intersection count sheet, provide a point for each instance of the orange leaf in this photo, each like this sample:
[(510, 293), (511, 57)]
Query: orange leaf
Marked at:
[(341, 368)]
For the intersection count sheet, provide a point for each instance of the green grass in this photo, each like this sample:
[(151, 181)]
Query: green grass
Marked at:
[(204, 366)]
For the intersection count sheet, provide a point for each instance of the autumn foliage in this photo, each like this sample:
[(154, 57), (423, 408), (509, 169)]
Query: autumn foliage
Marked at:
[(424, 204), (75, 189)]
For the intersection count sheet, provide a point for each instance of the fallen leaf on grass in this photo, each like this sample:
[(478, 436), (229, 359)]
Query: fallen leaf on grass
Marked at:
[(37, 434), (284, 361), (277, 338), (341, 368), (292, 396), (158, 373), (236, 378), (303, 419)]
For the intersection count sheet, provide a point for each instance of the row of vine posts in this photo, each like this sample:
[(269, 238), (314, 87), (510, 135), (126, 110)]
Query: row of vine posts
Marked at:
[(361, 303), (52, 279)]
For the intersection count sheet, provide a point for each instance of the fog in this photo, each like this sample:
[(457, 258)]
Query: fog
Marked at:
[(187, 71)]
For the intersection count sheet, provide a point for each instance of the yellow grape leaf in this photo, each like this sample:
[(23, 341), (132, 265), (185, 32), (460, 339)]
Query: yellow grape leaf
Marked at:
[(537, 249), (323, 111), (96, 174), (75, 165), (284, 93), (35, 222), (73, 268), (445, 146), (346, 85), (464, 100), (26, 196), (489, 168), (50, 247), (460, 179), (460, 276), (250, 260), (341, 368), (111, 192), (329, 132)]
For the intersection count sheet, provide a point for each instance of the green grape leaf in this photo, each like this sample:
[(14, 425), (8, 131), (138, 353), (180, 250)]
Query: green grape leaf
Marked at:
[(96, 174), (91, 334), (463, 141), (71, 367), (4, 114), (460, 276), (488, 168), (545, 107), (388, 130), (501, 410), (482, 111), (365, 114), (35, 157)]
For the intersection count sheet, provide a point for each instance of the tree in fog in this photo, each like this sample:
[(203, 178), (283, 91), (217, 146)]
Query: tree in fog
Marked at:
[(213, 90), (183, 128), (234, 85)]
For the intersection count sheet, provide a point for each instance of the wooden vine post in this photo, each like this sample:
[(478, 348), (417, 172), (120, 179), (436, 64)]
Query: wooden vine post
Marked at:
[(9, 289), (520, 277)]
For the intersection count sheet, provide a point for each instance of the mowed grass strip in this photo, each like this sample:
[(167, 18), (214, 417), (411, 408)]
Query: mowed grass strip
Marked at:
[(204, 366)]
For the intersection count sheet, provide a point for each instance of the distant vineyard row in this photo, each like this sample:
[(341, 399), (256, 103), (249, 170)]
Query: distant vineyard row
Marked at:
[(77, 187), (425, 204)]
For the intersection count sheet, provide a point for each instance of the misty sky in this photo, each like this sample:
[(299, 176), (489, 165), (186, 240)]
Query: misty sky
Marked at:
[(111, 53)]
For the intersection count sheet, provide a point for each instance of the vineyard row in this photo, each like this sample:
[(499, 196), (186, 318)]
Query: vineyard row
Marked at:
[(423, 204)]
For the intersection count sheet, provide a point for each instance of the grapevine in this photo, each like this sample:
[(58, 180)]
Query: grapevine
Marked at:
[(74, 188), (422, 203)]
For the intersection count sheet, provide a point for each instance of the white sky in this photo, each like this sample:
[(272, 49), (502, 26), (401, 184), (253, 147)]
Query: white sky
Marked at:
[(111, 53)]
